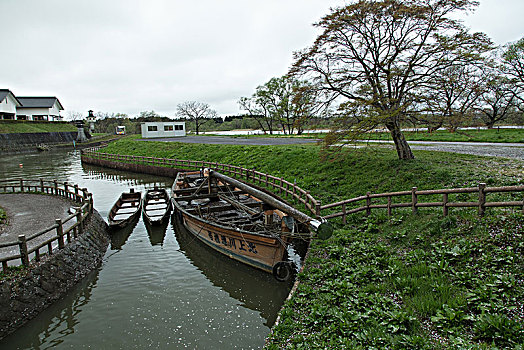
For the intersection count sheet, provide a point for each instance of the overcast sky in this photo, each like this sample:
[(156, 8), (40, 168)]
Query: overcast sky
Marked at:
[(130, 56)]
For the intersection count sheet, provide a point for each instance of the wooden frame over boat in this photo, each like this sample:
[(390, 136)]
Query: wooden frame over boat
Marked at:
[(240, 221), (126, 209), (156, 206)]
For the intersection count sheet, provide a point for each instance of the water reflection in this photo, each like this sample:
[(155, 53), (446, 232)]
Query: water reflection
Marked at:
[(119, 236), (149, 292), (256, 290), (50, 328), (156, 233)]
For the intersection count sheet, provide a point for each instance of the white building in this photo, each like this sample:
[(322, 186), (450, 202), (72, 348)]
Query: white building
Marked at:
[(39, 108), (163, 129), (8, 104)]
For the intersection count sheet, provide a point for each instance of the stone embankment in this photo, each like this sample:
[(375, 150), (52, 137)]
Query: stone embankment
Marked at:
[(25, 295)]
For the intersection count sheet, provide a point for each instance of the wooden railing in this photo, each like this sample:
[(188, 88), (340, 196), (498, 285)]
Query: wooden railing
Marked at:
[(251, 175), (75, 222), (346, 206), (415, 200)]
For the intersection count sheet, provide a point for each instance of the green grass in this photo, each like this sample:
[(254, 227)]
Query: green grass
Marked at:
[(3, 217), (409, 282), (16, 126), (480, 135)]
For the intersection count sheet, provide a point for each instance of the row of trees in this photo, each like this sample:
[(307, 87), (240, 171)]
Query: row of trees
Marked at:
[(390, 62)]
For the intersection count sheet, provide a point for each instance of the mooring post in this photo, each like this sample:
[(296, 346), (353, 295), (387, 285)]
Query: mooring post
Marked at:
[(22, 244), (482, 198), (60, 233)]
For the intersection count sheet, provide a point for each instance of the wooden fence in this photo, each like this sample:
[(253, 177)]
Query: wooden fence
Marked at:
[(278, 184), (314, 206), (54, 188), (415, 200)]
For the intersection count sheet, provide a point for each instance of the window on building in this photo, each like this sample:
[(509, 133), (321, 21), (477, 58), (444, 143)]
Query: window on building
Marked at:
[(179, 127), (152, 128), (168, 127)]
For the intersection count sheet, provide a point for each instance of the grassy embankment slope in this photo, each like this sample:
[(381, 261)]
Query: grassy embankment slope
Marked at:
[(406, 282), (10, 127)]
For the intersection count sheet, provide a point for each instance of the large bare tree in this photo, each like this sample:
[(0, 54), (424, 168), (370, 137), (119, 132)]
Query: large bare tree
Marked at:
[(374, 55), (196, 112), (513, 58)]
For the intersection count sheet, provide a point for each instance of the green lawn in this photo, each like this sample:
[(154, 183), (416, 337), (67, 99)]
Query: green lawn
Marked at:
[(10, 126), (406, 282)]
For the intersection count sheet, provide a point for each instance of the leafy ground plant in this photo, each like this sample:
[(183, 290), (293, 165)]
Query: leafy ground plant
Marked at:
[(380, 283)]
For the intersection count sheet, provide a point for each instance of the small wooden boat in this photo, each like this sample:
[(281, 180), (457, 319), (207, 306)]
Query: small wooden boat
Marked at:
[(126, 209), (156, 206), (240, 221)]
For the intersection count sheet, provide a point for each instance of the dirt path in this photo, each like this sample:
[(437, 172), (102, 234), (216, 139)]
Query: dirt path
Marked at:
[(28, 214)]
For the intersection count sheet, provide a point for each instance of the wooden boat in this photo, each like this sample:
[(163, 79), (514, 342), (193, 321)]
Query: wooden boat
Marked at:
[(156, 206), (240, 221), (126, 209)]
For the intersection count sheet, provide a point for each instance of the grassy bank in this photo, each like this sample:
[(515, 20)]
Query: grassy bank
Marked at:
[(406, 282), (17, 126)]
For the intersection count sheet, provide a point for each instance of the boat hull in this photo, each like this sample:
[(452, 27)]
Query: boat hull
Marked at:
[(255, 250)]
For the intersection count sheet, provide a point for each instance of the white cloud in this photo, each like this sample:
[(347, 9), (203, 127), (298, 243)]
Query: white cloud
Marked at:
[(132, 55)]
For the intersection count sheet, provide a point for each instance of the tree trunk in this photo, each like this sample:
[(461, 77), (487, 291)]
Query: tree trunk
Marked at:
[(403, 149), (196, 126)]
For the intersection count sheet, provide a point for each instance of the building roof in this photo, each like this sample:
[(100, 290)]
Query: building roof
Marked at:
[(39, 102), (5, 92)]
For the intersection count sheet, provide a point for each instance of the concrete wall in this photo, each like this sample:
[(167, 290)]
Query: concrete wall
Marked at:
[(136, 168), (25, 296), (16, 141)]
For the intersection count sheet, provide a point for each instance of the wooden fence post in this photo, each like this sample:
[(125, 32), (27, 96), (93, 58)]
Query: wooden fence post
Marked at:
[(445, 204), (60, 233), (76, 193), (368, 204), (79, 222), (22, 244), (42, 185), (66, 190), (389, 205), (344, 213), (317, 208), (482, 198), (414, 200), (21, 185), (56, 187)]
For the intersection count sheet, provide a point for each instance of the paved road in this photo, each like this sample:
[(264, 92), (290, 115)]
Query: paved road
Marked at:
[(506, 150), (251, 141), (29, 214)]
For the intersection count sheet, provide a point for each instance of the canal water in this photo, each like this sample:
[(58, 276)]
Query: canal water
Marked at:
[(160, 289)]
